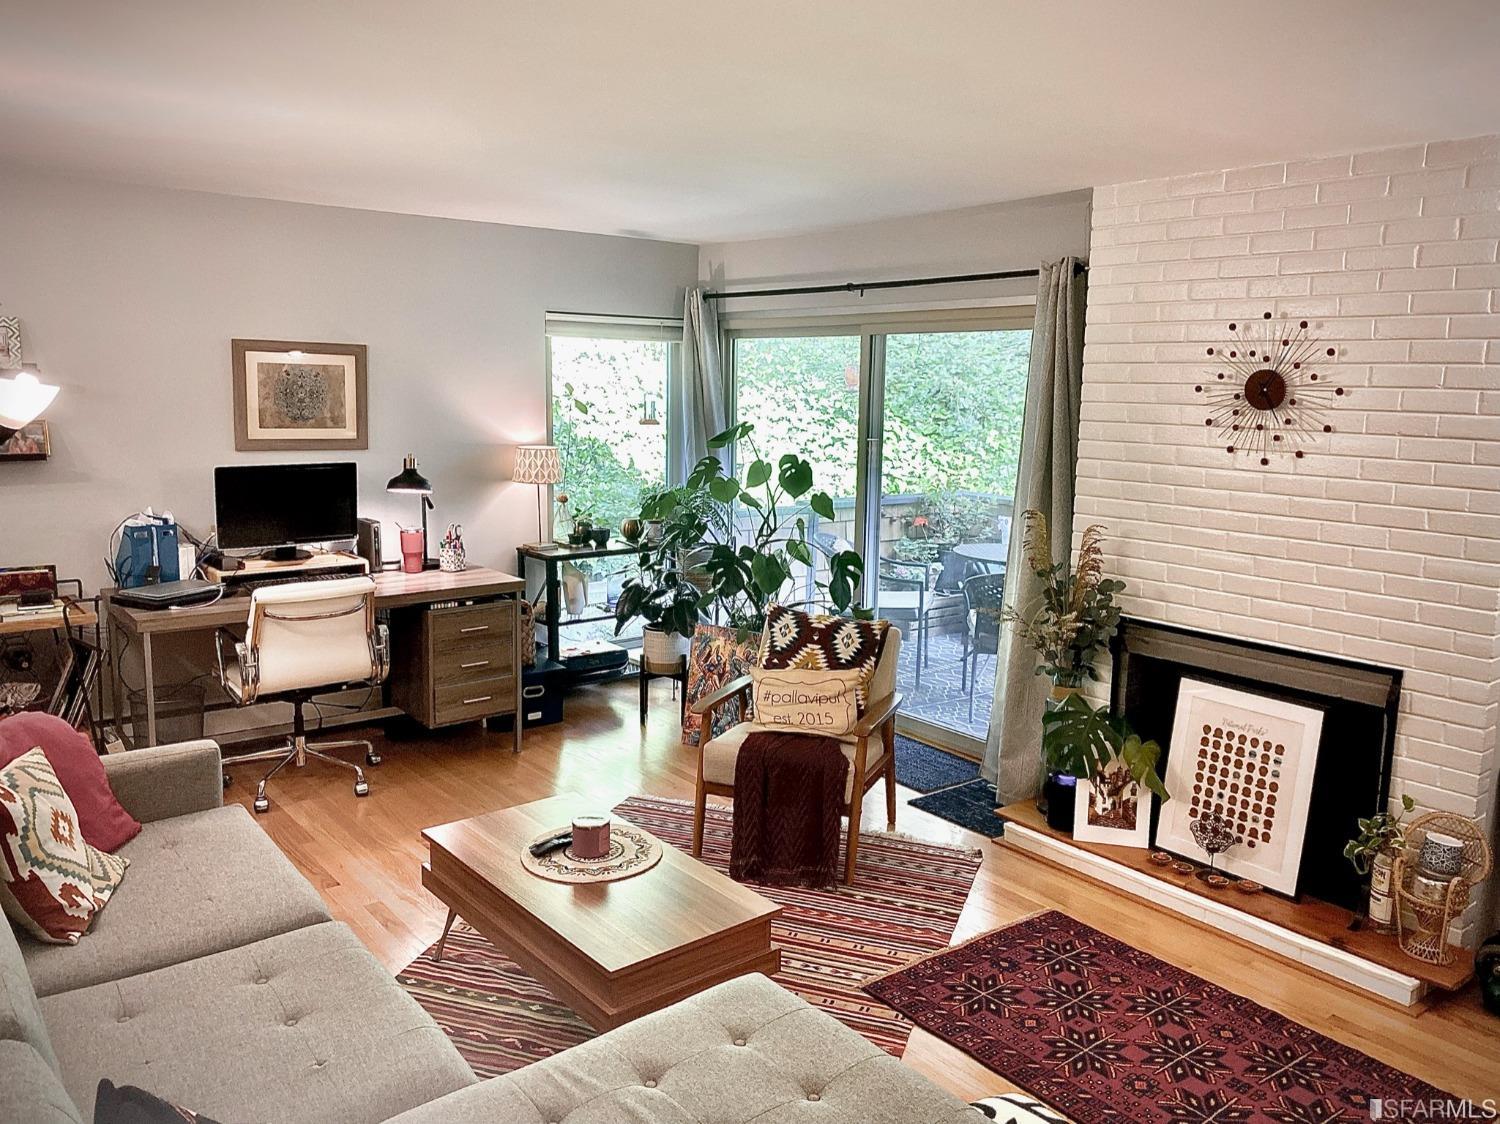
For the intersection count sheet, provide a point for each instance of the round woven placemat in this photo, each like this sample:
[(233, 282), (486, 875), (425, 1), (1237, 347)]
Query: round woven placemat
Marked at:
[(631, 852)]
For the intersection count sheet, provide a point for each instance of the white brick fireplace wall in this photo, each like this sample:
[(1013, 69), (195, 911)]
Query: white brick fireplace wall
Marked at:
[(1381, 544)]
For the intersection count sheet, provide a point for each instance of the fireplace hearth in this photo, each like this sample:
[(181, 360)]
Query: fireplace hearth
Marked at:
[(1359, 706)]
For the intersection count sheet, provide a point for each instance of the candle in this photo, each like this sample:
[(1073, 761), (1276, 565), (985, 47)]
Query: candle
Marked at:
[(590, 837)]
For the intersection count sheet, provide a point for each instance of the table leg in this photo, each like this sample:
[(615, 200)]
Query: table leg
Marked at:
[(645, 681), (554, 612), (150, 689), (437, 953), (520, 664)]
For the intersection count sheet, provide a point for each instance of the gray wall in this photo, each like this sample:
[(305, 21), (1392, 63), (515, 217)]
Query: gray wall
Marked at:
[(128, 298), (1017, 235)]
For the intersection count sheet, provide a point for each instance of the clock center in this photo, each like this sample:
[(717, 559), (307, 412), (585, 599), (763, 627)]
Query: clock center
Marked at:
[(1265, 390)]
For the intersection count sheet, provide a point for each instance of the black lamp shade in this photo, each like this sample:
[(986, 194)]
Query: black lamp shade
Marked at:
[(409, 480)]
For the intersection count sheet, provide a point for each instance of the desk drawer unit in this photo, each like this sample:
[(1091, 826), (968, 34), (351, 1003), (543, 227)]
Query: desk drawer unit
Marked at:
[(454, 664)]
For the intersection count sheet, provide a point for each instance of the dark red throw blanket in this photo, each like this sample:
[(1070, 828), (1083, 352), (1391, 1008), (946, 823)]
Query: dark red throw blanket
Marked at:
[(788, 797)]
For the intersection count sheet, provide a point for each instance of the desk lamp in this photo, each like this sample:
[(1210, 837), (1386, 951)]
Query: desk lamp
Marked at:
[(410, 482), (539, 465), (23, 397)]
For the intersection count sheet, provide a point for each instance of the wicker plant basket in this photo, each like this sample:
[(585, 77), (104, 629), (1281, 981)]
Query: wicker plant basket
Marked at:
[(1422, 922)]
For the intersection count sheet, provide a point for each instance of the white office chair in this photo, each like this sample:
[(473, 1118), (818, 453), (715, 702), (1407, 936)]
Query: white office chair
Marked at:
[(304, 639)]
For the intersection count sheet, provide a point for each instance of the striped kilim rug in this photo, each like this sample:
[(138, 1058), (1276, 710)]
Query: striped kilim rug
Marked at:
[(904, 904)]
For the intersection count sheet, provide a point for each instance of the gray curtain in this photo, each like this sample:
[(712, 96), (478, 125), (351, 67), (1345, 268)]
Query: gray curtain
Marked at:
[(1049, 460), (699, 411)]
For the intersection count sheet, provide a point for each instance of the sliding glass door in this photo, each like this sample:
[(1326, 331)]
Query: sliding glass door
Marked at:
[(914, 426)]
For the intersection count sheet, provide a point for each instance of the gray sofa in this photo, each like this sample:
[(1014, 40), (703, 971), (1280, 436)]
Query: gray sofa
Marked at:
[(216, 979)]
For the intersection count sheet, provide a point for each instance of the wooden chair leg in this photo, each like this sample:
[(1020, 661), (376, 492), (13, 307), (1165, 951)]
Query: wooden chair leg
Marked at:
[(888, 735), (699, 810), (851, 848)]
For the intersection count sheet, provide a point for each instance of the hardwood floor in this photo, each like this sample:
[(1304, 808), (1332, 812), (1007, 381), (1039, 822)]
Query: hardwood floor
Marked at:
[(364, 856)]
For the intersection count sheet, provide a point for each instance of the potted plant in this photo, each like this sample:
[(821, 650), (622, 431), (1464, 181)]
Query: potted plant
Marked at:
[(1373, 854), (737, 537), (1071, 625), (668, 604), (1079, 740)]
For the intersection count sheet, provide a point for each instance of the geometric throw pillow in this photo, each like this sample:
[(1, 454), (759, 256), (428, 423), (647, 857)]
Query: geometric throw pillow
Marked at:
[(125, 1104), (821, 642), (1018, 1108), (104, 823), (52, 883), (795, 700)]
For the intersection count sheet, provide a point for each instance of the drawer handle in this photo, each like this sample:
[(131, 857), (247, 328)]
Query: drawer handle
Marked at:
[(476, 628), (533, 692), (476, 663), (480, 699)]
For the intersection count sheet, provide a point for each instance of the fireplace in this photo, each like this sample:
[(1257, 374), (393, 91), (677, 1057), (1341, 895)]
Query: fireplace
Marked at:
[(1351, 777)]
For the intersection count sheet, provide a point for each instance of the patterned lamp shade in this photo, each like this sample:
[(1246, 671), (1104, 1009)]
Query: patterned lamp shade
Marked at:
[(537, 464)]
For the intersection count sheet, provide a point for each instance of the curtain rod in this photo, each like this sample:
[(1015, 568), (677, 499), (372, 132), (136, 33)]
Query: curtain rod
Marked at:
[(908, 283)]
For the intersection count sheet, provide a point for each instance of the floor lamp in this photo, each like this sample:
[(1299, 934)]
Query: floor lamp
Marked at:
[(539, 465)]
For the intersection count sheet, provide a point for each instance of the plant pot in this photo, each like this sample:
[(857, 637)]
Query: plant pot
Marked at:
[(662, 649), (600, 537), (631, 530), (1058, 791), (654, 528), (1381, 910)]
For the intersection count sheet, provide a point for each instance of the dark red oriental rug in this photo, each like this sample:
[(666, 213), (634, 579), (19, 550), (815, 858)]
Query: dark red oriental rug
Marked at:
[(1105, 1032)]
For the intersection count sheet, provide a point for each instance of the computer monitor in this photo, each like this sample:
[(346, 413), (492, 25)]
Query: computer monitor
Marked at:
[(272, 507)]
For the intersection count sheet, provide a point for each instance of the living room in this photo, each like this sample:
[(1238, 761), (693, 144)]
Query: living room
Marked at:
[(889, 569)]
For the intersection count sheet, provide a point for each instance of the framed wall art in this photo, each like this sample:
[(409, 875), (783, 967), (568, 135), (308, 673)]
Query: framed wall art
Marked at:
[(1110, 807), (10, 342), (32, 442), (1249, 758), (299, 396)]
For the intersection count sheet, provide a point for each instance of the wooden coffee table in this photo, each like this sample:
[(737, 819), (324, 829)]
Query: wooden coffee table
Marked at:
[(612, 952)]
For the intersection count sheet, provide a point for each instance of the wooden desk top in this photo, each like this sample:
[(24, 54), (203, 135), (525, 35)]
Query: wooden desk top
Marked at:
[(78, 615), (617, 926), (393, 590)]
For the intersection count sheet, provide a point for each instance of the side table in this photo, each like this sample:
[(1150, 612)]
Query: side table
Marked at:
[(650, 671)]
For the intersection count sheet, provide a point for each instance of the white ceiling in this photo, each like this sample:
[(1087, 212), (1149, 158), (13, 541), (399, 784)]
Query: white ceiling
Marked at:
[(721, 120)]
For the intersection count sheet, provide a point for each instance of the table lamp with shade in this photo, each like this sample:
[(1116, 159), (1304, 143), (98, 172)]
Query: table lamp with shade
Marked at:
[(23, 397), (539, 465), (410, 482)]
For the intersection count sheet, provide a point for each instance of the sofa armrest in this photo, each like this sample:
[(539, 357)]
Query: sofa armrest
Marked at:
[(167, 780)]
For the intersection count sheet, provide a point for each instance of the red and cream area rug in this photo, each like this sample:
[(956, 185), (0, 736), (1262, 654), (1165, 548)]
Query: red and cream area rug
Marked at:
[(904, 904), (1107, 1033)]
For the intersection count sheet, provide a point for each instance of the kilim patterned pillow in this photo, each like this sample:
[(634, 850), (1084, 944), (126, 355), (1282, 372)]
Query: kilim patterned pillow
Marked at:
[(52, 883), (793, 638)]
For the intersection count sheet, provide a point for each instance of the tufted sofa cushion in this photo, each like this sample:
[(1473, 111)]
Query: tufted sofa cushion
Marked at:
[(298, 1027), (196, 884), (745, 1050)]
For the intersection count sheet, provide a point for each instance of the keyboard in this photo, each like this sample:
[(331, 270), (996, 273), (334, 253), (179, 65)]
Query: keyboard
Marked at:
[(321, 574)]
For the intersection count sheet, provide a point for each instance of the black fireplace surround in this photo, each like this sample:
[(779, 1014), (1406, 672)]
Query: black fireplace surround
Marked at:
[(1359, 704)]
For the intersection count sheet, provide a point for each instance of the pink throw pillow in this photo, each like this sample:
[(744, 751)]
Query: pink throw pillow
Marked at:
[(103, 822)]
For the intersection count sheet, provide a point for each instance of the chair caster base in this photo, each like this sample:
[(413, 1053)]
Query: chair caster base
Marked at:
[(372, 758), (227, 781), (261, 804), (361, 788)]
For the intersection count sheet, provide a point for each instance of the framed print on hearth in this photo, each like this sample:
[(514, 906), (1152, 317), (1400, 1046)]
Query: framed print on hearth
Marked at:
[(1111, 807), (1249, 758), (299, 396)]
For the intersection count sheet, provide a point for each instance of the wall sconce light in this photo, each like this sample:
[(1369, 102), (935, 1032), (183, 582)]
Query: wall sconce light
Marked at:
[(23, 397)]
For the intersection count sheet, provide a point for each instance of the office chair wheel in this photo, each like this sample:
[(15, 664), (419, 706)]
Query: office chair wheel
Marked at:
[(227, 781), (361, 788), (262, 804), (372, 758)]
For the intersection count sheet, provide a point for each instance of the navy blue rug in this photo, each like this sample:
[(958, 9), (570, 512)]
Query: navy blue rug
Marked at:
[(926, 769), (970, 805)]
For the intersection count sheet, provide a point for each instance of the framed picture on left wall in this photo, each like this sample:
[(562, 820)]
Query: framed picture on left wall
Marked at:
[(299, 396), (32, 442)]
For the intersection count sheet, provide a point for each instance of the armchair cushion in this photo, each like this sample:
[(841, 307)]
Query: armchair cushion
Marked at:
[(805, 701), (722, 754), (101, 819), (794, 639)]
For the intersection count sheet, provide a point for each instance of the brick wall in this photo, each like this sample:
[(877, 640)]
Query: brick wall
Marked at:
[(1382, 543)]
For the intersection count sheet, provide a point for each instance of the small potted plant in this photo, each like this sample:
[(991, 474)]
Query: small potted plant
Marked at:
[(583, 528), (1079, 740), (1373, 854), (668, 604)]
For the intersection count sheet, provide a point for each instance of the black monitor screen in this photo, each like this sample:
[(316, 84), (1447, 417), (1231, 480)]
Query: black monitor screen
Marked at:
[(274, 504)]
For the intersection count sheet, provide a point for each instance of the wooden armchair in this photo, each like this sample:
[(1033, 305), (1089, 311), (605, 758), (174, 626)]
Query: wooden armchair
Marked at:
[(870, 747)]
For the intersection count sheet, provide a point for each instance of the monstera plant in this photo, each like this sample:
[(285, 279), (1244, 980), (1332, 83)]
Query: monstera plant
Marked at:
[(736, 538)]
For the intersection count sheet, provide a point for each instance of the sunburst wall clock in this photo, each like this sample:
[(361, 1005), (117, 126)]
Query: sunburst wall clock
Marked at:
[(1264, 395)]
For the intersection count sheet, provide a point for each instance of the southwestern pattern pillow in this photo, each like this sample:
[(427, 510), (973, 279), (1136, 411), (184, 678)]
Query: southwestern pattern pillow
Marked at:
[(52, 883), (716, 656), (824, 643)]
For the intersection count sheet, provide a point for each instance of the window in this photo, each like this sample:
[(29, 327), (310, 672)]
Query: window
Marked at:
[(913, 425)]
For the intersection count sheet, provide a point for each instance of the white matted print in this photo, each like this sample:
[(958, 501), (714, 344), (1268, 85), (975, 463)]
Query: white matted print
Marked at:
[(1111, 807), (1249, 758), (299, 395)]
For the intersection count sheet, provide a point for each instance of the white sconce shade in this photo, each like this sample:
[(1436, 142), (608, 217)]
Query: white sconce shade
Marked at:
[(537, 464), (23, 397)]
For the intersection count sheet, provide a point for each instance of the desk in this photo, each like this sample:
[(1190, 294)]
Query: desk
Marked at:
[(393, 590)]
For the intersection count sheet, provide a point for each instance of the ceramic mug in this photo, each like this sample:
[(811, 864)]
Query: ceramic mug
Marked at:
[(1442, 856)]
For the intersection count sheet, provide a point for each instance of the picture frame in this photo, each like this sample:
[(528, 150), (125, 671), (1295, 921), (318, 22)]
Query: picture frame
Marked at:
[(1112, 807), (10, 342), (1250, 757), (296, 396), (32, 442)]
